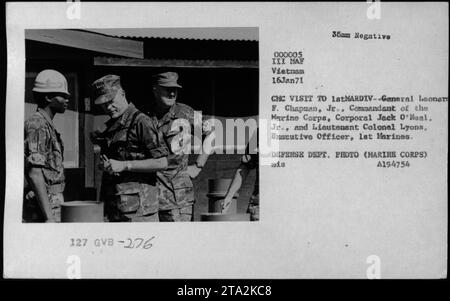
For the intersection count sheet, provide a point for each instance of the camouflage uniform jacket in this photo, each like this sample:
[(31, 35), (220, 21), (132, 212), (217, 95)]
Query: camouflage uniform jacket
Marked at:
[(132, 136), (44, 148), (174, 184)]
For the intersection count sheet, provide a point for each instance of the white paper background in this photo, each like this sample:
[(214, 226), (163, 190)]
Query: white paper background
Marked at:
[(319, 218)]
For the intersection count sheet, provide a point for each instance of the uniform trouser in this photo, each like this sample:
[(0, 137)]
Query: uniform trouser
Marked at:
[(32, 212), (184, 214), (114, 214)]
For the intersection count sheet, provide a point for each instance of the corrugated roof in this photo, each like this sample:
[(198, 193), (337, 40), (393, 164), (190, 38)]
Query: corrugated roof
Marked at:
[(210, 33), (87, 41)]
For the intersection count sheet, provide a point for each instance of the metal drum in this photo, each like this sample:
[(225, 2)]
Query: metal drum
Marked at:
[(217, 191), (215, 203), (82, 212), (219, 186)]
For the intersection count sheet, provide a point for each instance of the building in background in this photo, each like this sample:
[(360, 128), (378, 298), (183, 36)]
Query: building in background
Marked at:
[(218, 70)]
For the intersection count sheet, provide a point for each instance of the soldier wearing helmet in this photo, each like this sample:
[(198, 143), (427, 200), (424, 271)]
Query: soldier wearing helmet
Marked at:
[(44, 150)]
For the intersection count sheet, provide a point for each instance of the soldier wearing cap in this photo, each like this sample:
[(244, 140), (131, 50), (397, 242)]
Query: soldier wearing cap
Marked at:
[(132, 150), (176, 193), (44, 150)]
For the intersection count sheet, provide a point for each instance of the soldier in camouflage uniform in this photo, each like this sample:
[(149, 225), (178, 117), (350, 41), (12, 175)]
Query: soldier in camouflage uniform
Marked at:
[(176, 191), (249, 161), (44, 151), (132, 150)]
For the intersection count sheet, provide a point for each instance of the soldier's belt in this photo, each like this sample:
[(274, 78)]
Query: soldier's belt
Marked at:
[(56, 188)]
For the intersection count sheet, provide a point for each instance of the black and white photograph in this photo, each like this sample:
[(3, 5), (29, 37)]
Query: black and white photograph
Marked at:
[(116, 121), (229, 140)]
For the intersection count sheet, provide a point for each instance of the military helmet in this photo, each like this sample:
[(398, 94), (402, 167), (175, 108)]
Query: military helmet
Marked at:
[(50, 81)]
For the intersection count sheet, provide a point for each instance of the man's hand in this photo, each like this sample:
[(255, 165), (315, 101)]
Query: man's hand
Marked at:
[(50, 220), (193, 171), (226, 204), (109, 167), (117, 166), (104, 163)]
